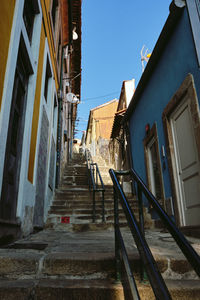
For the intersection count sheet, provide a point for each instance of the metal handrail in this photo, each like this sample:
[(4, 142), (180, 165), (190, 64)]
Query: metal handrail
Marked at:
[(154, 276), (95, 183)]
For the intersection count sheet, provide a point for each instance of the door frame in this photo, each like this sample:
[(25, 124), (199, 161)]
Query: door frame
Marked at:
[(187, 89), (21, 77), (151, 138)]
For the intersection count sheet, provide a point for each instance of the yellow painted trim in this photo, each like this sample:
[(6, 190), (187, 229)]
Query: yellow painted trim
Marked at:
[(36, 109), (50, 38), (6, 20)]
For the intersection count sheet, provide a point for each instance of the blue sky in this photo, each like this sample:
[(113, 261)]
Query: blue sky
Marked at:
[(113, 33)]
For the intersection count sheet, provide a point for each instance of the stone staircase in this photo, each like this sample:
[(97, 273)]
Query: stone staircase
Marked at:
[(73, 201), (75, 260)]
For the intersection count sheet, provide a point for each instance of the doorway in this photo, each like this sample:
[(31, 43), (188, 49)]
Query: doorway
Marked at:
[(186, 164), (13, 154), (153, 165), (182, 124)]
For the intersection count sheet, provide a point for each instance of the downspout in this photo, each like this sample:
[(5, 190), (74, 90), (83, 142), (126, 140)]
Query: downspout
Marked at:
[(70, 20), (72, 133), (59, 129)]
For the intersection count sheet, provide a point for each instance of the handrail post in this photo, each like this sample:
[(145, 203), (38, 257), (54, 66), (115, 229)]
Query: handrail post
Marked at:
[(93, 172), (103, 207), (94, 185), (96, 175), (116, 224), (94, 206), (140, 205), (143, 274)]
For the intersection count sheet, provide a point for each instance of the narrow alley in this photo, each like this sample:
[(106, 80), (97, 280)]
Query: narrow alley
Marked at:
[(111, 210)]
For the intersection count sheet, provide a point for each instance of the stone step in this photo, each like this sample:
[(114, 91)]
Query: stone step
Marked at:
[(75, 181), (75, 170), (33, 264), (69, 175), (81, 289), (87, 199), (87, 255), (87, 194), (61, 289), (88, 215), (75, 188), (179, 290), (72, 177), (77, 195), (86, 207), (79, 226)]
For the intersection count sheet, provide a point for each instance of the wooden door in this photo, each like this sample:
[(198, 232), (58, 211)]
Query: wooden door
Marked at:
[(12, 161), (187, 165)]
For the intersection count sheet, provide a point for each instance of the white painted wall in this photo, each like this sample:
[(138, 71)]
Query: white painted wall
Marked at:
[(26, 194), (129, 90)]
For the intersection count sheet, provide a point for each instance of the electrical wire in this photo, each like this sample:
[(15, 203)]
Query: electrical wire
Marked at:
[(92, 98)]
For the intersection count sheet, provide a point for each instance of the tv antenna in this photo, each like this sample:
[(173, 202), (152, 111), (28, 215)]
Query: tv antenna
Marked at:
[(144, 56)]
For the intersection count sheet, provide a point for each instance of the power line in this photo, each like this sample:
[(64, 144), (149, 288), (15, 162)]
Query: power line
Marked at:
[(92, 98)]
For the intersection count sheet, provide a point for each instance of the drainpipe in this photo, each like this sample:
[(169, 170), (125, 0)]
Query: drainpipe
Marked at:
[(71, 130), (59, 129)]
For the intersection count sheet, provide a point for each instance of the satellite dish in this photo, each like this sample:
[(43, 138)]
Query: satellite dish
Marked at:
[(179, 3), (74, 34), (71, 98)]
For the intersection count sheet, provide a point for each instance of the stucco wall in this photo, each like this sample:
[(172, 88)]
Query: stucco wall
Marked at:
[(36, 54), (6, 19), (104, 117), (178, 59)]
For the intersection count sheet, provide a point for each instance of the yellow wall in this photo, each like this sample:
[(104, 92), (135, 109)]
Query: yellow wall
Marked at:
[(36, 110), (46, 7), (45, 32), (6, 19), (104, 117)]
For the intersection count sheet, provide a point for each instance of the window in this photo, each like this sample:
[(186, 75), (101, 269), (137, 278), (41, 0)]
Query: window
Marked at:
[(59, 50), (153, 165), (55, 112), (153, 169), (47, 77), (30, 10), (54, 12)]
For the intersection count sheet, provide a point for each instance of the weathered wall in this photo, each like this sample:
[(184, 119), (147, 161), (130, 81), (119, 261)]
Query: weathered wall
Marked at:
[(37, 167), (177, 60), (104, 117), (6, 20), (36, 111)]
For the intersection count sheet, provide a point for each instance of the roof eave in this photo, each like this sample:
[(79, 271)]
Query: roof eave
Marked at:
[(168, 28)]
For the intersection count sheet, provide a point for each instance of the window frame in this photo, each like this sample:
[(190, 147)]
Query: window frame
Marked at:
[(48, 75), (30, 9)]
